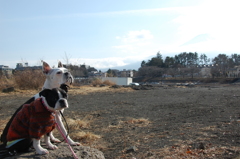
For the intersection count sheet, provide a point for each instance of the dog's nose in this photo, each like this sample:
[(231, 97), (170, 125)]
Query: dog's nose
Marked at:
[(63, 103)]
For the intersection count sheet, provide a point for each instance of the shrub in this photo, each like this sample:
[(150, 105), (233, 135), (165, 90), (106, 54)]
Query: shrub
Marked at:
[(6, 82), (96, 82), (109, 83), (29, 79)]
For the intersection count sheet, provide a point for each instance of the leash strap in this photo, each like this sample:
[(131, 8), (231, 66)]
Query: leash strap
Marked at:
[(65, 138)]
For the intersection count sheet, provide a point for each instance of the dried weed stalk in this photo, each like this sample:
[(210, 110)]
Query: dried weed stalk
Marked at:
[(87, 136), (29, 79), (139, 122), (77, 124)]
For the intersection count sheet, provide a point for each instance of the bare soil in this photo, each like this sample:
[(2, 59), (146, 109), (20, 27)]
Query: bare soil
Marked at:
[(164, 121)]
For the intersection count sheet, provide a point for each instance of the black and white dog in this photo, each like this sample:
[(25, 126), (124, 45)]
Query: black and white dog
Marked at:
[(35, 120), (55, 78)]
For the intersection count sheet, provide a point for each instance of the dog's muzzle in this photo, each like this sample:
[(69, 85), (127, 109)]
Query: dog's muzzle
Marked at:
[(63, 103), (69, 77)]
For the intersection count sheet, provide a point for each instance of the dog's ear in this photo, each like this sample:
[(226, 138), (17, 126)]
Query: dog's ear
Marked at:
[(45, 67), (44, 92), (64, 87), (60, 64)]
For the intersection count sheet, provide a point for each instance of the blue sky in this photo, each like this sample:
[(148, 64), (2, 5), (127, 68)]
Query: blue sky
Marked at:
[(109, 33)]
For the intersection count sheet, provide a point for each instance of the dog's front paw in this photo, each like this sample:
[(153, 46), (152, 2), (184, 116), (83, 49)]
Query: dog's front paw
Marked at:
[(52, 147), (75, 144), (42, 151), (71, 142), (38, 147)]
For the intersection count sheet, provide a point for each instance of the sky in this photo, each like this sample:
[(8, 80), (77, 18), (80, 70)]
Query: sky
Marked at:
[(106, 34)]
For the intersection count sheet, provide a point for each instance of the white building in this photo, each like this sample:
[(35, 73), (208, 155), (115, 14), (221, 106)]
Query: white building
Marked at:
[(118, 80)]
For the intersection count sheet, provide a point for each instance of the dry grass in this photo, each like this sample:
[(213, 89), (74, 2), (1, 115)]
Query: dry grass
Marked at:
[(183, 150), (141, 122), (91, 89), (77, 124), (109, 83), (76, 127), (98, 82), (85, 136), (26, 80), (29, 79), (5, 82), (3, 124)]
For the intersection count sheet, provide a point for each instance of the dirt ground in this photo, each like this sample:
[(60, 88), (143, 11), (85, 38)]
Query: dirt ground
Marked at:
[(164, 121)]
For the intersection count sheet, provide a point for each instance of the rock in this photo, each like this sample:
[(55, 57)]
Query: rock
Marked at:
[(115, 86), (63, 152), (9, 89), (131, 149), (198, 146), (142, 87), (201, 146), (136, 87)]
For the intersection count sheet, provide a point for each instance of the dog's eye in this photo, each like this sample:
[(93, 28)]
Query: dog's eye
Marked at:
[(55, 99), (59, 73)]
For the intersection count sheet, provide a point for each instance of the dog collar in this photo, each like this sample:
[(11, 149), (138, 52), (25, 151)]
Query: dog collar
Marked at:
[(44, 102)]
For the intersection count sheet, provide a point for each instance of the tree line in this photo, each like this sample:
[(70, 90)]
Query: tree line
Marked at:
[(187, 63)]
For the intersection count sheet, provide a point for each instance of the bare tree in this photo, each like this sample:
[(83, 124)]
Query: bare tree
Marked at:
[(66, 59)]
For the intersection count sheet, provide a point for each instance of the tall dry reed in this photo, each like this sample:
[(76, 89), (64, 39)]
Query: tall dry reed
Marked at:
[(29, 79)]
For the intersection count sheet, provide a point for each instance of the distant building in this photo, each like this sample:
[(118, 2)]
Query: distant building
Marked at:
[(118, 80), (6, 71), (234, 72), (205, 72), (126, 73), (123, 73), (22, 67)]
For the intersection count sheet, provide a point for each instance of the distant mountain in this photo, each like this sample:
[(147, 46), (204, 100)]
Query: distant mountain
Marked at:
[(197, 39), (132, 66)]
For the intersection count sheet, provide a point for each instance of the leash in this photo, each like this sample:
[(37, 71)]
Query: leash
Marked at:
[(65, 137)]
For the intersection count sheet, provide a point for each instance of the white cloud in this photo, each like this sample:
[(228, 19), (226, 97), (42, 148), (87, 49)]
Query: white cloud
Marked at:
[(136, 36), (100, 62), (139, 12), (216, 18), (138, 43)]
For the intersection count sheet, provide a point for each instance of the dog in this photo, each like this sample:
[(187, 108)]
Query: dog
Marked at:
[(55, 78), (35, 120)]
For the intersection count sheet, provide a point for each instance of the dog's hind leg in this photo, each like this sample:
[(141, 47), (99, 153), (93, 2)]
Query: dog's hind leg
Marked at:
[(5, 130), (52, 138), (12, 149), (48, 142)]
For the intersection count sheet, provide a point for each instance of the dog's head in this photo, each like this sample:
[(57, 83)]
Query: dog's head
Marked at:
[(54, 99), (56, 76)]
